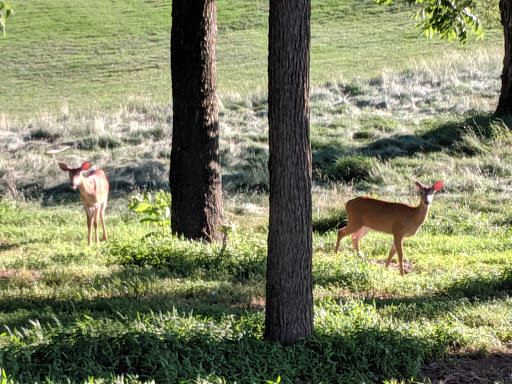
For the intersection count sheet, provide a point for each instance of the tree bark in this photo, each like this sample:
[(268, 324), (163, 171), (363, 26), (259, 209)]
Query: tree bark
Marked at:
[(195, 179), (289, 301), (505, 101)]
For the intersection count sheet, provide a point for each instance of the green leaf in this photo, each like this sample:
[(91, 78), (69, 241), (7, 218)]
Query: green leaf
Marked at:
[(142, 207)]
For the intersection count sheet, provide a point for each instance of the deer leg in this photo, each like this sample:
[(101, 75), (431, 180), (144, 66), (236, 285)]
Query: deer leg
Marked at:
[(358, 236), (96, 214), (398, 244), (102, 217), (391, 254), (345, 231), (89, 224)]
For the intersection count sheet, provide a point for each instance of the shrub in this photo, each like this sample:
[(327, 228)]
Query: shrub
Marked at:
[(334, 220), (109, 142), (351, 168)]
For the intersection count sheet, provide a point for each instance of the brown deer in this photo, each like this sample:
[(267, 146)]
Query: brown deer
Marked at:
[(401, 220), (94, 194)]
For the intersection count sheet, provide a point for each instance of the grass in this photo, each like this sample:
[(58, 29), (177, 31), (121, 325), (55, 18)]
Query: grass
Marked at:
[(146, 307), (93, 57)]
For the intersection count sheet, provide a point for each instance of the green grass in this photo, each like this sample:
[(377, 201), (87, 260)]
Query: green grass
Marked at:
[(95, 57), (149, 308)]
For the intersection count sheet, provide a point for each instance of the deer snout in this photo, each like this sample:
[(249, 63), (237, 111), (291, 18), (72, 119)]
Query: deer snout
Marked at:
[(75, 183)]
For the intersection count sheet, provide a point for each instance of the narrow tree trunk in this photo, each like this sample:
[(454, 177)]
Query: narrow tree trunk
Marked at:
[(505, 102), (195, 180), (289, 305)]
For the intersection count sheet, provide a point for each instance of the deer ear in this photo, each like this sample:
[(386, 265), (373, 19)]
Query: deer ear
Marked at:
[(438, 185), (64, 167), (85, 166), (418, 184)]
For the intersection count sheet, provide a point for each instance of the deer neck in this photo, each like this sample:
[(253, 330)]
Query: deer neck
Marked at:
[(87, 189), (422, 212)]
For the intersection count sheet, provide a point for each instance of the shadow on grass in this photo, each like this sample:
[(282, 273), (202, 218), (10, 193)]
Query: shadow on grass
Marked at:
[(146, 175), (448, 135), (167, 354), (130, 291), (480, 288), (8, 246), (325, 224), (100, 338)]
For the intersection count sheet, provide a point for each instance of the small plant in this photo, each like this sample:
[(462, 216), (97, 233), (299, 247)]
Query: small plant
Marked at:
[(156, 210), (7, 208)]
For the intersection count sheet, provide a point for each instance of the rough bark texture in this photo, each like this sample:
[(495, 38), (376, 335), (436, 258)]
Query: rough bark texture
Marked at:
[(505, 102), (195, 179), (289, 303)]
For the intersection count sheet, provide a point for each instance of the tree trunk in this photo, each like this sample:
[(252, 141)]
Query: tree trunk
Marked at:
[(195, 180), (289, 305), (505, 102)]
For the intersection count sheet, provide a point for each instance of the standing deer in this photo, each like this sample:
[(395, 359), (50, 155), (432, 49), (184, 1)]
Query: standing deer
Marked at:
[(93, 193), (365, 214)]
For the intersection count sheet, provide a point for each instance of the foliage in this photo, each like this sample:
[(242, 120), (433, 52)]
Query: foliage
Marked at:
[(155, 210), (7, 209), (449, 19), (5, 11), (183, 258)]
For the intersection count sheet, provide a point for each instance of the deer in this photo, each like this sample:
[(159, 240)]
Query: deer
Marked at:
[(400, 220), (93, 189)]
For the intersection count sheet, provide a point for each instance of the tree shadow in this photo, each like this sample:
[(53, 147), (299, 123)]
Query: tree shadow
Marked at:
[(488, 368), (98, 338), (481, 288), (169, 355), (130, 294)]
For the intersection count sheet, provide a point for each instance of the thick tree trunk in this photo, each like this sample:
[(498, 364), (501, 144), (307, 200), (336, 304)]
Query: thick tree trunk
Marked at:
[(195, 180), (505, 102), (289, 306)]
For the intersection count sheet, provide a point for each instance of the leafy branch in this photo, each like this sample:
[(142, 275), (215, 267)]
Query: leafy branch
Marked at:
[(450, 19), (5, 11)]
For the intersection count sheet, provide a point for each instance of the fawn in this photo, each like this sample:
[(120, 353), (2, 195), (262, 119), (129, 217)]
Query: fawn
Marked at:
[(401, 220), (94, 194)]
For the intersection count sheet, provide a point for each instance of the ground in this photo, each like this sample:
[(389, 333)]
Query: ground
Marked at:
[(493, 368)]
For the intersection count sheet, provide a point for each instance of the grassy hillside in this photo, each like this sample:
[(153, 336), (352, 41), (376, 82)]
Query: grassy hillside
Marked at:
[(89, 56), (149, 308)]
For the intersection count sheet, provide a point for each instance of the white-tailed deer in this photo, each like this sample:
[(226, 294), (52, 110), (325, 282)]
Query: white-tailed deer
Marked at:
[(401, 220), (93, 193)]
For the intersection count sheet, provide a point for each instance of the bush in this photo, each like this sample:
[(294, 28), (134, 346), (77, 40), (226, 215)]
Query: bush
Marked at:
[(351, 168), (335, 220), (109, 142)]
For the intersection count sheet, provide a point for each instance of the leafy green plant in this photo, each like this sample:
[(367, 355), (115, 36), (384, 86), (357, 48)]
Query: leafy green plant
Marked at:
[(153, 209), (5, 11), (7, 209)]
